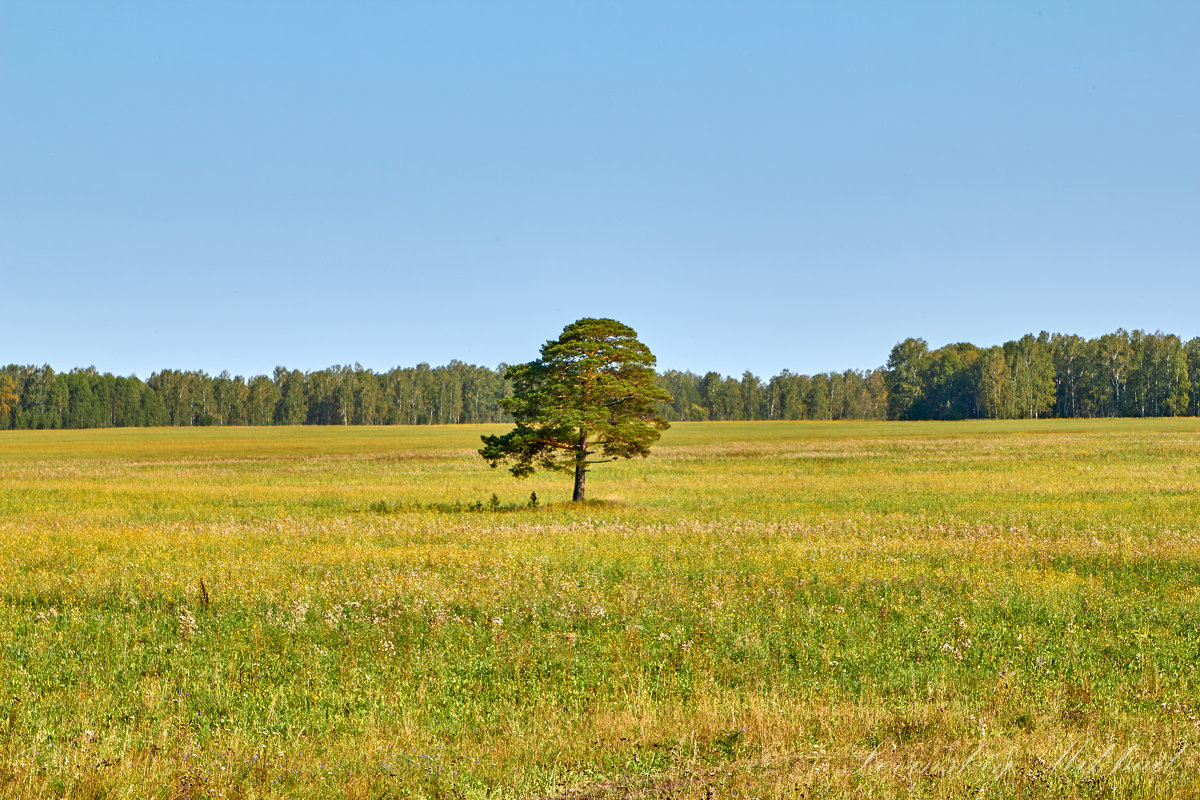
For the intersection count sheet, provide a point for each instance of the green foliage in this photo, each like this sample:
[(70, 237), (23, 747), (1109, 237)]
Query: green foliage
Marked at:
[(1131, 374), (592, 392), (1032, 376), (905, 366)]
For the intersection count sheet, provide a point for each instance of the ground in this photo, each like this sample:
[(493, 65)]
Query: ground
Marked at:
[(758, 609)]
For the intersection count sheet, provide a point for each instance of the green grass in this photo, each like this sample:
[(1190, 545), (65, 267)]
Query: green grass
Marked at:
[(767, 609)]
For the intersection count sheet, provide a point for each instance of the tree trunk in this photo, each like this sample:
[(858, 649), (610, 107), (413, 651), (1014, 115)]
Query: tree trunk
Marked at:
[(580, 468), (580, 480)]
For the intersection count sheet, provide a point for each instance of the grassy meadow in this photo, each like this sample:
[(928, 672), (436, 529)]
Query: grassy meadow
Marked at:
[(758, 610)]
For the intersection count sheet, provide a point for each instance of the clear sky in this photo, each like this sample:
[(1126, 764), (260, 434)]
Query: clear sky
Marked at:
[(762, 185)]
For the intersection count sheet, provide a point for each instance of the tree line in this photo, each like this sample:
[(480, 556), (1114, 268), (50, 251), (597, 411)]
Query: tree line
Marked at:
[(38, 397), (1120, 374), (1133, 374)]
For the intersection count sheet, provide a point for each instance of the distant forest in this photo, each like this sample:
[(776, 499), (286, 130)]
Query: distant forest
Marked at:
[(1130, 374)]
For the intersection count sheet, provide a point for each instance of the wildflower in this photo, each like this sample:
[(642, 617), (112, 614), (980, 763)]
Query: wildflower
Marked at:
[(187, 624), (333, 617)]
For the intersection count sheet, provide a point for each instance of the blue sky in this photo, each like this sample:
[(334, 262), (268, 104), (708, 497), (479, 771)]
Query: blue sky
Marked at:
[(749, 185)]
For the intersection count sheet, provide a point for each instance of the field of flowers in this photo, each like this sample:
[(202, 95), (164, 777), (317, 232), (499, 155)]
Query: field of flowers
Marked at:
[(758, 610)]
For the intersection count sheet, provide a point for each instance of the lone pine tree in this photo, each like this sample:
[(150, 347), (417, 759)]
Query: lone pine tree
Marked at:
[(592, 393)]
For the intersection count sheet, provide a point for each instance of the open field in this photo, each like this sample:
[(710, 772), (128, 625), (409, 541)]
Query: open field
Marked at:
[(759, 609)]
